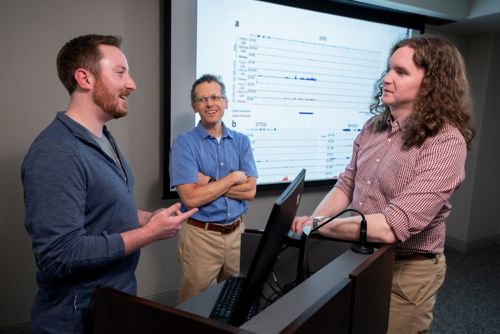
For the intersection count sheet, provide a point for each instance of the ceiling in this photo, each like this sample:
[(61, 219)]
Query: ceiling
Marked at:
[(467, 17), (483, 24)]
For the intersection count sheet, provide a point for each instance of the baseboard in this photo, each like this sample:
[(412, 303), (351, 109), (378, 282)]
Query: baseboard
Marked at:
[(167, 298), (466, 246)]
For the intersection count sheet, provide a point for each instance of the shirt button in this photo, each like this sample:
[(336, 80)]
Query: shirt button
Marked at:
[(360, 203), (377, 160), (389, 140), (222, 164), (369, 182)]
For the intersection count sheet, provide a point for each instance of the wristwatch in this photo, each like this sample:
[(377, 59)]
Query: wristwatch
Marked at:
[(316, 220)]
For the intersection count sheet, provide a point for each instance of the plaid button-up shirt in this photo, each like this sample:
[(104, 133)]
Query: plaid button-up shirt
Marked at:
[(411, 187)]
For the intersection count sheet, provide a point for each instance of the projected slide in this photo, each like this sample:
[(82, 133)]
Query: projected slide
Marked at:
[(299, 82)]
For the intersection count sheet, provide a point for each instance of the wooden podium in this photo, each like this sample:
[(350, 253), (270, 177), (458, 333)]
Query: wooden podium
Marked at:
[(350, 294), (117, 312)]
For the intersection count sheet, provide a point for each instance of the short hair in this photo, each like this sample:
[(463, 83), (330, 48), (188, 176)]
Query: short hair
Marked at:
[(82, 52), (208, 78), (444, 94)]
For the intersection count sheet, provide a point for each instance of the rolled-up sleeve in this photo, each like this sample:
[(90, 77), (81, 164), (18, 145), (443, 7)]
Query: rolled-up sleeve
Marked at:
[(438, 172)]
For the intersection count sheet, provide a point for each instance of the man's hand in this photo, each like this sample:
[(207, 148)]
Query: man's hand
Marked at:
[(300, 222), (195, 195), (163, 224), (238, 177), (166, 223)]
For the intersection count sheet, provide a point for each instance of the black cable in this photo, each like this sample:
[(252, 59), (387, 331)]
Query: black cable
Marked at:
[(362, 246), (265, 298), (284, 247), (269, 300), (275, 279), (276, 290), (337, 215), (280, 291)]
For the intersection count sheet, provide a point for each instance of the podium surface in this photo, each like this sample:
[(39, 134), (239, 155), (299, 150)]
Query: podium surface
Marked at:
[(349, 294)]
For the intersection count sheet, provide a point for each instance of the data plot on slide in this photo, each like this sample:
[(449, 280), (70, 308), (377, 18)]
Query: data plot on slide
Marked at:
[(324, 154), (299, 82), (271, 71), (304, 86)]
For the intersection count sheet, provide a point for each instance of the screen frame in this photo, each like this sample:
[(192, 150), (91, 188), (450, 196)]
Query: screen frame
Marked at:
[(338, 7), (275, 233)]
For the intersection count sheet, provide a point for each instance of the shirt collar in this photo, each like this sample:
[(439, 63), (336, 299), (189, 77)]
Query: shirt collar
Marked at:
[(400, 123), (203, 133), (77, 129)]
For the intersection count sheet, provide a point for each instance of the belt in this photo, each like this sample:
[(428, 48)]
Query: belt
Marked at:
[(217, 227), (416, 257)]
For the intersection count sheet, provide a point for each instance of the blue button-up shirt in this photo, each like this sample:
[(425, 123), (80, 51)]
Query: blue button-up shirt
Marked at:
[(197, 151)]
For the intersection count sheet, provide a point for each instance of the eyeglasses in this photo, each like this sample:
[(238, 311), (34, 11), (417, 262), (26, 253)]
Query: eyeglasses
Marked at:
[(212, 98)]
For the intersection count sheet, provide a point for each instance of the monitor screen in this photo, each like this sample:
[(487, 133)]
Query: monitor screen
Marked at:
[(276, 231)]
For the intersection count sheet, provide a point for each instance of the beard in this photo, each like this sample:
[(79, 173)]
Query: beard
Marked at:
[(108, 102)]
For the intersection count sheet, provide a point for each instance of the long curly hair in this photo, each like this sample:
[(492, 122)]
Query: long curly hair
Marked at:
[(443, 97)]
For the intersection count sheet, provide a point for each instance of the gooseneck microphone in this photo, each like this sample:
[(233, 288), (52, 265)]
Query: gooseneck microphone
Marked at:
[(362, 246)]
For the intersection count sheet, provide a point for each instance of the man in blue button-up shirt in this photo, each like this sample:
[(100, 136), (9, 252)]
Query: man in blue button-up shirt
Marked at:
[(213, 169)]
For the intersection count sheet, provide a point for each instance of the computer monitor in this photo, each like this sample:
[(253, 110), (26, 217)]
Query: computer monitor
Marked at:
[(275, 233)]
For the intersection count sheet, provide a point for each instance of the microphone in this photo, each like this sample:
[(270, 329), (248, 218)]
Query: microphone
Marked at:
[(362, 246)]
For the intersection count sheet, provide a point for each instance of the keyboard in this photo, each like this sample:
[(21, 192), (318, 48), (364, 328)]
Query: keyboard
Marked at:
[(227, 299)]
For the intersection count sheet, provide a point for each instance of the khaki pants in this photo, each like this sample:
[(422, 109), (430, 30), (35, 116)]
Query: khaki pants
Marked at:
[(414, 288), (206, 258)]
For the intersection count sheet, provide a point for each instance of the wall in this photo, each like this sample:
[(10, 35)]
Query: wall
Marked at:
[(31, 33), (485, 217), (457, 223), (474, 221)]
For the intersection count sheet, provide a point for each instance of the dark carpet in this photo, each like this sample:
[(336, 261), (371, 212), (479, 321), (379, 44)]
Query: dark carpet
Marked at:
[(469, 300)]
